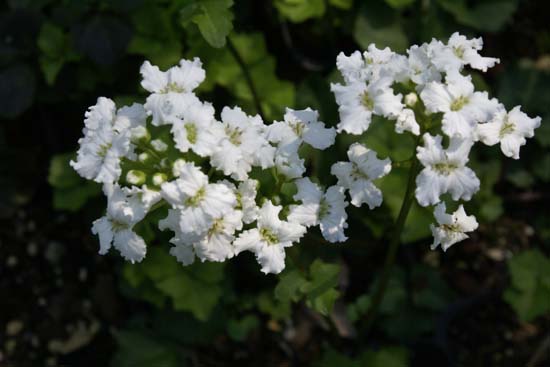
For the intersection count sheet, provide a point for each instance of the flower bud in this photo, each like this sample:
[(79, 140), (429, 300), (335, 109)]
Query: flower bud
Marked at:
[(144, 157), (159, 146), (159, 178), (411, 99), (140, 134), (136, 177), (177, 166)]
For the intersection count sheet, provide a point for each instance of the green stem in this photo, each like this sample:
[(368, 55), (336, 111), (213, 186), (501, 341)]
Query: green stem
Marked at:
[(394, 245), (247, 77)]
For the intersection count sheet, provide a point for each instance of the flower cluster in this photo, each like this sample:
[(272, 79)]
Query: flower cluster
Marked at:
[(174, 155), (442, 107)]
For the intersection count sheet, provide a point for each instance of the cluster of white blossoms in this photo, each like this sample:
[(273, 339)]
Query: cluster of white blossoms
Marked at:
[(174, 154), (441, 107)]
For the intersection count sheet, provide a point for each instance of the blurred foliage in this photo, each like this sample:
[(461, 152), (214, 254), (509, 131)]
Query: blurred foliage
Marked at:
[(57, 57)]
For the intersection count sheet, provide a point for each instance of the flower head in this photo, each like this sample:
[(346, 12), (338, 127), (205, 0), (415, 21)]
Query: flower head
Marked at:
[(509, 129), (444, 170), (357, 175), (451, 228), (269, 239)]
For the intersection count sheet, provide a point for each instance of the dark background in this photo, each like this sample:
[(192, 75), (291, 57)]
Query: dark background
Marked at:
[(485, 302)]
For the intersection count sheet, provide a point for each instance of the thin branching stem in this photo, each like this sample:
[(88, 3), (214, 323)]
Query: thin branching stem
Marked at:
[(394, 245), (247, 76)]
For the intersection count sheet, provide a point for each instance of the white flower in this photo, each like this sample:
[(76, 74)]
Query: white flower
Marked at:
[(200, 202), (357, 175), (301, 125), (243, 144), (444, 171), (288, 162), (115, 228), (385, 63), (269, 239), (197, 130), (462, 107), (167, 108), (451, 228), (328, 210), (246, 200), (171, 90), (178, 79), (359, 101), (103, 144), (213, 245), (509, 129), (217, 245), (421, 69), (406, 121), (458, 52), (352, 67)]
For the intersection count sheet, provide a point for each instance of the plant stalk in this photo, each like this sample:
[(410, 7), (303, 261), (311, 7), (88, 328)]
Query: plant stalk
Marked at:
[(394, 245), (247, 77)]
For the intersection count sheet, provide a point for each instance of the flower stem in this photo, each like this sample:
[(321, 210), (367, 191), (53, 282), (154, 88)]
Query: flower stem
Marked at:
[(247, 77), (394, 245)]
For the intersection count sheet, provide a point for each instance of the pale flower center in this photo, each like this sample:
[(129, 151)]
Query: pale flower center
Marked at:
[(507, 128), (217, 227), (324, 208), (197, 198), (234, 135), (458, 103), (357, 174), (459, 51), (268, 236), (367, 101), (103, 149), (298, 127), (172, 87), (445, 168), (191, 130), (118, 226)]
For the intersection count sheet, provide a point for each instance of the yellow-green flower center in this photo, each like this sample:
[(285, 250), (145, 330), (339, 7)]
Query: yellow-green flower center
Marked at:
[(367, 101), (103, 149), (234, 135), (172, 87), (197, 198), (507, 128), (324, 208), (458, 103), (445, 168), (191, 130), (268, 236)]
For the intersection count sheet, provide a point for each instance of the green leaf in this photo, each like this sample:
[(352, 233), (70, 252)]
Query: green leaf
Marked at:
[(139, 350), (529, 292), (181, 283), (238, 329), (71, 191), (298, 11), (521, 178), (341, 4), (542, 168), (61, 175), (156, 36), (222, 69), (319, 291), (399, 4), (214, 19), (379, 24), (386, 357), (56, 49), (485, 15), (290, 286)]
